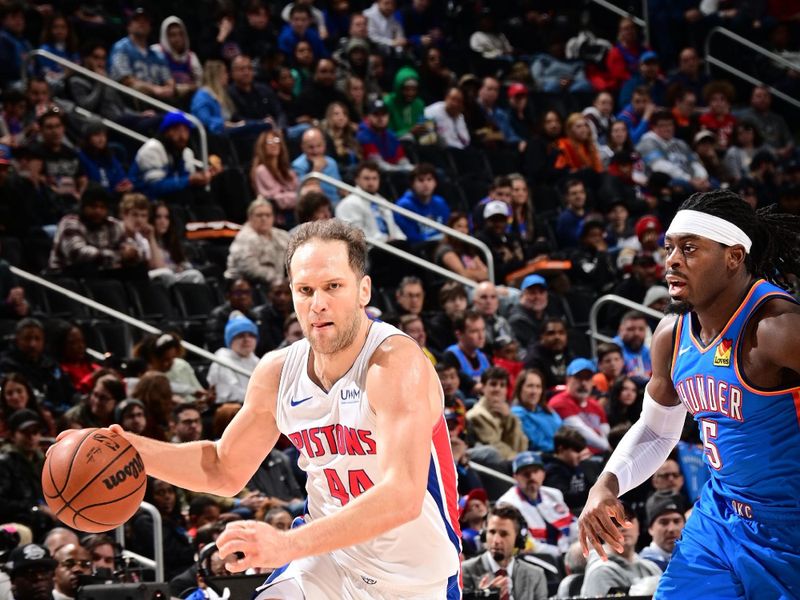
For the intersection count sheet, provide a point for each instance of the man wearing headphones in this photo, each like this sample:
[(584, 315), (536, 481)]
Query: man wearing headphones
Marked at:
[(551, 525), (498, 568)]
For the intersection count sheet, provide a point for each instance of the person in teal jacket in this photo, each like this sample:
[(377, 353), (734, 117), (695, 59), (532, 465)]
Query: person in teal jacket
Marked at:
[(406, 108), (538, 422)]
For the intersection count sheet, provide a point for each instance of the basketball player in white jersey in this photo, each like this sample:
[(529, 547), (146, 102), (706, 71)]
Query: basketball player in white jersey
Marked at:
[(364, 407)]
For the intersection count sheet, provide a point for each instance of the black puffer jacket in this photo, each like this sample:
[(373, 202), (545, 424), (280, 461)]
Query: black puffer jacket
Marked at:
[(20, 485)]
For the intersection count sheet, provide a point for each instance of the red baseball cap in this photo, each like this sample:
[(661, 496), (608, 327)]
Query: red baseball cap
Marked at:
[(517, 89), (645, 223), (476, 494)]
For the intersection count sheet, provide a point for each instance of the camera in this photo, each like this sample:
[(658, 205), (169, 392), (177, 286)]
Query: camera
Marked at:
[(488, 593), (124, 591)]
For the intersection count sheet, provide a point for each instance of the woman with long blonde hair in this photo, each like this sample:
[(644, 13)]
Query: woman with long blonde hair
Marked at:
[(271, 174), (578, 150), (214, 107), (337, 124)]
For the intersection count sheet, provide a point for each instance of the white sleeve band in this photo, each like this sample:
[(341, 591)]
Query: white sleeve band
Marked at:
[(646, 445)]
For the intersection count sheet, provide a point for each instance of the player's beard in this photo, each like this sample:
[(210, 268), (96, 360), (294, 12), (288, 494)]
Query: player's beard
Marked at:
[(678, 307), (343, 340)]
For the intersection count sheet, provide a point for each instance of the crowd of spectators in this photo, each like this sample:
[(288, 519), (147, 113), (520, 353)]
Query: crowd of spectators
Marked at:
[(549, 132)]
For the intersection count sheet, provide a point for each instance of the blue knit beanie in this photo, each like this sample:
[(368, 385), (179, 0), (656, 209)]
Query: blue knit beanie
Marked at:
[(238, 324), (174, 118)]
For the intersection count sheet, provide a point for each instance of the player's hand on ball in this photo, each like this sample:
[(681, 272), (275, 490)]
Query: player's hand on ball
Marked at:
[(596, 526), (260, 544), (61, 436)]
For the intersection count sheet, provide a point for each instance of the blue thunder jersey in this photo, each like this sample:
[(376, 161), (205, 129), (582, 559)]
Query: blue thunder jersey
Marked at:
[(750, 436)]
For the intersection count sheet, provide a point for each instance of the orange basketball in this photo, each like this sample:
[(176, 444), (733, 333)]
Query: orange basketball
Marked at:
[(94, 480)]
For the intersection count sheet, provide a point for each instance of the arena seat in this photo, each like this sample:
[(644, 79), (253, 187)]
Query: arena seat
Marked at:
[(58, 305), (110, 292), (151, 300), (195, 300)]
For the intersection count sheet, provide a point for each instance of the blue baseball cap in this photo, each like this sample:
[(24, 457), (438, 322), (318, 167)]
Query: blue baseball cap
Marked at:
[(172, 119), (533, 280), (578, 365), (237, 325), (527, 459), (647, 56)]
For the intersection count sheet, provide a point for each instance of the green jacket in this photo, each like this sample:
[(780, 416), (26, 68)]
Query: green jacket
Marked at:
[(402, 115)]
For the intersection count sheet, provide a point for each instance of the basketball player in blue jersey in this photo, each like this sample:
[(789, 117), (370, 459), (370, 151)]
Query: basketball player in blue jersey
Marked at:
[(731, 357), (364, 407)]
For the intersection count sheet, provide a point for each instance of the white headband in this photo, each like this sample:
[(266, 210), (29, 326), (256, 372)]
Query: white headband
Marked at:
[(708, 226)]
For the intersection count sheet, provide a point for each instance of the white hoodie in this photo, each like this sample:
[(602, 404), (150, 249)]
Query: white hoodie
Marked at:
[(192, 70)]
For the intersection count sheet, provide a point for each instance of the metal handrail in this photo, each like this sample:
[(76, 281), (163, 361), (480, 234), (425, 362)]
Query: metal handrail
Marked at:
[(121, 129), (643, 21), (414, 217), (421, 262), (125, 318), (710, 60), (595, 335), (158, 542), (123, 89), (492, 473)]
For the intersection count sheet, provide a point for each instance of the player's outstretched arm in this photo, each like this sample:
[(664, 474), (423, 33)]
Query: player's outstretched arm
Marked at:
[(404, 392), (225, 466), (640, 452)]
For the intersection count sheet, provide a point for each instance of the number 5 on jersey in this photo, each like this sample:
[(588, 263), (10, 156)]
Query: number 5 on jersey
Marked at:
[(709, 435), (358, 483)]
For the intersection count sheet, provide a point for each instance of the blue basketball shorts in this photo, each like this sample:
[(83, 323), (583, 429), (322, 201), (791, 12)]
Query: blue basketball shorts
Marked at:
[(734, 550)]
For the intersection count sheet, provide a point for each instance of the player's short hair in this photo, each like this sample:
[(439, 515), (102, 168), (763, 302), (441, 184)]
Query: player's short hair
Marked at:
[(331, 230)]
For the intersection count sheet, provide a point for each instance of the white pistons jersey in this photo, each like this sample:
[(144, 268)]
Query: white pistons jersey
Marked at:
[(335, 434)]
